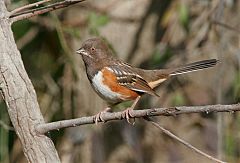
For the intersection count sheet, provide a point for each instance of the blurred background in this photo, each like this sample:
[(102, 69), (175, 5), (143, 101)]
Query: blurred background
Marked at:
[(148, 34)]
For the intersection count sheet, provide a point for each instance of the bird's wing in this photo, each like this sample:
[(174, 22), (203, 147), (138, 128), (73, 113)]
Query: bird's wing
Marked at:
[(128, 78)]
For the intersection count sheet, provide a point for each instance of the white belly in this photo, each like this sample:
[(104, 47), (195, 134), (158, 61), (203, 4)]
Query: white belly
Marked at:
[(104, 91)]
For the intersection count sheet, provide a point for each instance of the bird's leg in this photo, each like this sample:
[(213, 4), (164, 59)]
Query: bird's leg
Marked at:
[(98, 116), (126, 113)]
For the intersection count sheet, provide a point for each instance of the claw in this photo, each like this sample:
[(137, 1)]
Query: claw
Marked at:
[(126, 114), (98, 117)]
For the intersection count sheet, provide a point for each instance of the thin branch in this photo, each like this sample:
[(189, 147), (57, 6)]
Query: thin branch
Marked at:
[(170, 134), (36, 4), (226, 26), (41, 10), (172, 111)]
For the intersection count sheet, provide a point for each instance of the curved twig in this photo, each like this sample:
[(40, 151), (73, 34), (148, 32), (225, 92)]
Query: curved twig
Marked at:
[(170, 134)]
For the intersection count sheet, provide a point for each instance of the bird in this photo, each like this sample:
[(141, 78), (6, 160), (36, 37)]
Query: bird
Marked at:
[(116, 81)]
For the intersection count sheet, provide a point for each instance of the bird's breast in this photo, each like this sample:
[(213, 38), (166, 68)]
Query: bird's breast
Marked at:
[(106, 85)]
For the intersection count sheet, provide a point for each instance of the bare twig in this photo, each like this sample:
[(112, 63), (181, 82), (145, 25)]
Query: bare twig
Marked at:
[(173, 111), (28, 6), (226, 26), (170, 134), (41, 10)]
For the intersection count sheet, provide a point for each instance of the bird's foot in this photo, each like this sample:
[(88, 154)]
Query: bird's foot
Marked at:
[(98, 116), (127, 115)]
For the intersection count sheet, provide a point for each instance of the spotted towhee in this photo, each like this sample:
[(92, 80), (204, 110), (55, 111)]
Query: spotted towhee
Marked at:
[(116, 81)]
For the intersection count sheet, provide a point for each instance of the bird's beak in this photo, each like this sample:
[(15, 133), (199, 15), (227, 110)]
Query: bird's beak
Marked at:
[(82, 52)]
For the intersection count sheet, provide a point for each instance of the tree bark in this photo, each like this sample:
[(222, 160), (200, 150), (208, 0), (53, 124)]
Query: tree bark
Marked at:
[(20, 97)]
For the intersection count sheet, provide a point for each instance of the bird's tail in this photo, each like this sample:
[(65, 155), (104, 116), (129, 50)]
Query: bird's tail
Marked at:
[(155, 77), (196, 66)]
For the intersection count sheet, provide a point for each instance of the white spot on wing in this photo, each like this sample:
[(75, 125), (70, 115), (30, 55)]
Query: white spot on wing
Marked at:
[(110, 69), (153, 84)]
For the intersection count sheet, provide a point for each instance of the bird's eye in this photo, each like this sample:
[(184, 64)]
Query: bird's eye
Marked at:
[(93, 49)]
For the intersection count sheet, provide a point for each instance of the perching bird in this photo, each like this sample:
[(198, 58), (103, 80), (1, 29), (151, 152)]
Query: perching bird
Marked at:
[(116, 81)]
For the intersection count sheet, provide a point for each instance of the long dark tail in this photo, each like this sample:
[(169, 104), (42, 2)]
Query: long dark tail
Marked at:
[(196, 66)]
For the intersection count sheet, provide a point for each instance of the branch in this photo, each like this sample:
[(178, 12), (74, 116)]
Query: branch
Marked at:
[(15, 15), (172, 111), (36, 4), (226, 26), (170, 134)]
